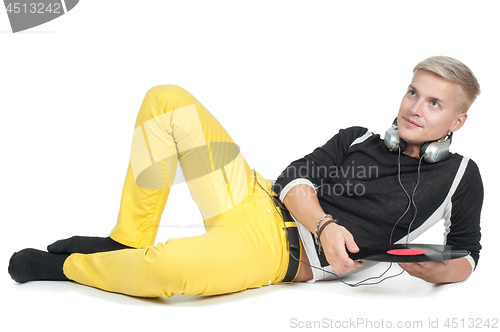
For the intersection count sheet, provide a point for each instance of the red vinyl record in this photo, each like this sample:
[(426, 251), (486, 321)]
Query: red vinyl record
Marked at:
[(409, 253)]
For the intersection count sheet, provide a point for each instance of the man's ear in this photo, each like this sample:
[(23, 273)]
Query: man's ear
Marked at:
[(459, 122)]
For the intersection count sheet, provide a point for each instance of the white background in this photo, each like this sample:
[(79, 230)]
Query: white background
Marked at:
[(70, 91)]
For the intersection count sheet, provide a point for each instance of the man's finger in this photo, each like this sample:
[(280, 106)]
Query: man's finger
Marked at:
[(349, 242)]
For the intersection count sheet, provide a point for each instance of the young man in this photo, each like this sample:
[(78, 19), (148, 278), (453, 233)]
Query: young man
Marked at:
[(435, 105), (247, 243)]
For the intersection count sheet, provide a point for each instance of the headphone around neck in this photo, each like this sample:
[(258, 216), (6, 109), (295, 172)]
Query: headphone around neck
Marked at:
[(432, 151)]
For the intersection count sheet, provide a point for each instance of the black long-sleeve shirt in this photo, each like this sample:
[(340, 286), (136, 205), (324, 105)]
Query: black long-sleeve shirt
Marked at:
[(356, 180)]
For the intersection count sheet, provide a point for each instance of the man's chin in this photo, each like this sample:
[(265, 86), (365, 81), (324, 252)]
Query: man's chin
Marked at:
[(410, 137)]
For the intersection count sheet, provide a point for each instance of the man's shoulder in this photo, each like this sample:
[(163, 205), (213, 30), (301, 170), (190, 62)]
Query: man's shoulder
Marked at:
[(359, 134), (472, 169), (356, 130), (466, 169), (459, 158)]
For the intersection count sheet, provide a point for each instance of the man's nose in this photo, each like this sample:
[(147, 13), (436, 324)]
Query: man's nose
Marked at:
[(416, 108)]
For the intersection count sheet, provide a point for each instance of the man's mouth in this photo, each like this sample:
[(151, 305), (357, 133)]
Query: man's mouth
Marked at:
[(411, 123)]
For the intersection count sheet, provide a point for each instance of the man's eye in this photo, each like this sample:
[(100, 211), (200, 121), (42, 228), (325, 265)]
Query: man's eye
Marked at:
[(412, 93), (434, 104)]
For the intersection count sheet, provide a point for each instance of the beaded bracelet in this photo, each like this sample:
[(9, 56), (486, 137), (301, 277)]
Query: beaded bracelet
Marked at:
[(326, 224), (316, 235)]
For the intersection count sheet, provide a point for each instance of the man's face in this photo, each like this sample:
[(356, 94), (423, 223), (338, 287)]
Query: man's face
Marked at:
[(427, 111)]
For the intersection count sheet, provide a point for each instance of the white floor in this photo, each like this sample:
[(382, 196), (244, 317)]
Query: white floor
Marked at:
[(400, 300), (404, 300)]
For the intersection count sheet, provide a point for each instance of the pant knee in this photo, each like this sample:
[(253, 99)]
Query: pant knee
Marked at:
[(167, 90)]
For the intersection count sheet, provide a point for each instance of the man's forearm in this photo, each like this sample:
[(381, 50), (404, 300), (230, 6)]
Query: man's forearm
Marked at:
[(459, 270), (303, 204)]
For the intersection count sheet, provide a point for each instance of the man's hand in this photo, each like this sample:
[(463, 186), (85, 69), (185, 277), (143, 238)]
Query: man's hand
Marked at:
[(303, 204), (439, 272), (334, 241), (428, 271)]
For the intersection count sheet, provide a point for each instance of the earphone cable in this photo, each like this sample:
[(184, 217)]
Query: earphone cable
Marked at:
[(407, 195), (413, 200)]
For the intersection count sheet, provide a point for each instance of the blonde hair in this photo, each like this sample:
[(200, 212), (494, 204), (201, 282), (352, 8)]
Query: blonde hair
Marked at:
[(456, 72)]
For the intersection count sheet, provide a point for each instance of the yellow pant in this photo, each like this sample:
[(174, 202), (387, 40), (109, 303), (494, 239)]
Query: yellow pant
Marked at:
[(245, 245)]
